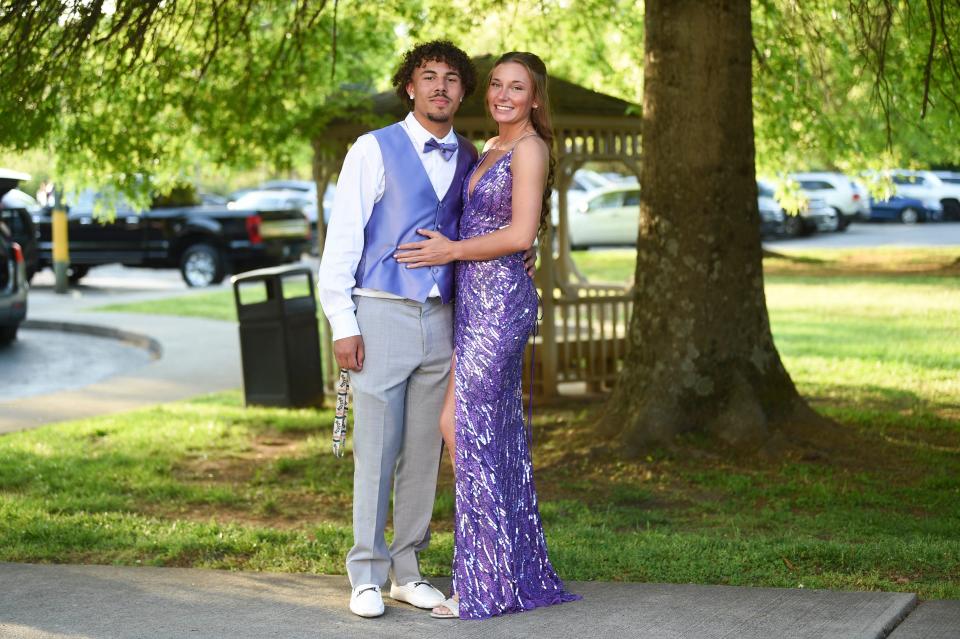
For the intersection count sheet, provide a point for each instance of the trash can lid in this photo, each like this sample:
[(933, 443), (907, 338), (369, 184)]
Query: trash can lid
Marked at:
[(271, 272), (10, 174)]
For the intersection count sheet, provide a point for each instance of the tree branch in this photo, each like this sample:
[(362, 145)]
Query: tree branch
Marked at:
[(929, 66)]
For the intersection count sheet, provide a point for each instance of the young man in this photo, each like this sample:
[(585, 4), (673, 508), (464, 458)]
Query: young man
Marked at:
[(393, 326)]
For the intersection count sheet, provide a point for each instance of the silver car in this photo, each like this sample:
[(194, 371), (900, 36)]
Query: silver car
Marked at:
[(815, 215)]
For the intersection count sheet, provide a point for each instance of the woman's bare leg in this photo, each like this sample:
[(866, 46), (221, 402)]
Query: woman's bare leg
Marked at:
[(448, 430), (448, 415)]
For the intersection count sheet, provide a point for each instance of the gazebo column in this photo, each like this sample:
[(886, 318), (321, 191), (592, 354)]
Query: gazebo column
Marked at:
[(325, 164), (548, 328), (566, 268), (321, 176)]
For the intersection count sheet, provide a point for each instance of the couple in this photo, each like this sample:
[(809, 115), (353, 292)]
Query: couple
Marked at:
[(424, 373)]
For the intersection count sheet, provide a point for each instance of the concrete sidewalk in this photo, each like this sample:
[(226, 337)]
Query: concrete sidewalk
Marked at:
[(56, 601), (192, 356)]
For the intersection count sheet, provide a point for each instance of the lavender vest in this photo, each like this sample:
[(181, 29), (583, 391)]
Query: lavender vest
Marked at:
[(409, 202)]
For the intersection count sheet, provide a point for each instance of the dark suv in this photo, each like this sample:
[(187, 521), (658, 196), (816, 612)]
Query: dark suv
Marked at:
[(13, 270), (17, 210), (13, 286)]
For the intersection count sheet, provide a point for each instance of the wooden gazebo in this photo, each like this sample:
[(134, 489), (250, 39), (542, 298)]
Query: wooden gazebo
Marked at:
[(583, 332)]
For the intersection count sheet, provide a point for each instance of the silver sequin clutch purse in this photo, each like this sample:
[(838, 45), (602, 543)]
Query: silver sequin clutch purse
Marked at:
[(340, 418)]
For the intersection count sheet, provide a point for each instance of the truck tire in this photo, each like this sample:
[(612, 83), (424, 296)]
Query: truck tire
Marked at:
[(793, 226), (8, 334), (202, 265), (951, 209)]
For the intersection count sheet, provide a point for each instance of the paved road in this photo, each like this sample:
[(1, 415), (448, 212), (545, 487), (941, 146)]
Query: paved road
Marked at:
[(185, 357), (120, 279), (865, 235), (44, 361)]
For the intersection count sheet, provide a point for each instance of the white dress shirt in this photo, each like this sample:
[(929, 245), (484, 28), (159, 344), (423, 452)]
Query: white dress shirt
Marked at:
[(359, 187)]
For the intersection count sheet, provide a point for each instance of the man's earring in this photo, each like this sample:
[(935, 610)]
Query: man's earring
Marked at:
[(534, 106), (411, 96)]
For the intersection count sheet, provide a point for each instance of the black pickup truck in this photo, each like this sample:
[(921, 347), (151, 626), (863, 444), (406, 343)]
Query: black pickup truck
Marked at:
[(204, 242)]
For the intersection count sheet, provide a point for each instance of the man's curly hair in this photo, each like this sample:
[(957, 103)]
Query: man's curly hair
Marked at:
[(441, 51)]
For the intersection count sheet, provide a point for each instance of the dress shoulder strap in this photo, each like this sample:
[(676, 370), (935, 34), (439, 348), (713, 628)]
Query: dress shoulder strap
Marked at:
[(521, 138)]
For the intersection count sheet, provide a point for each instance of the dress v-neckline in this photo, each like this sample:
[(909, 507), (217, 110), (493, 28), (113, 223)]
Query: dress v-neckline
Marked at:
[(476, 185)]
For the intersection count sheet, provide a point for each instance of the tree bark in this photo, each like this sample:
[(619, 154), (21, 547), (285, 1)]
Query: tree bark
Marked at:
[(701, 354)]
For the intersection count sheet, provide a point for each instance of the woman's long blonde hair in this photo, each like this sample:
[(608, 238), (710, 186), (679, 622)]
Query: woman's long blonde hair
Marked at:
[(539, 116)]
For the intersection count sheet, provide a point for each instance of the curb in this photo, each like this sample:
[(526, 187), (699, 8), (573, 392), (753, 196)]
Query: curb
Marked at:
[(145, 342)]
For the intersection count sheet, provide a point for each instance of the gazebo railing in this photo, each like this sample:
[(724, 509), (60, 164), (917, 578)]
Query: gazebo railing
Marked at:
[(591, 336)]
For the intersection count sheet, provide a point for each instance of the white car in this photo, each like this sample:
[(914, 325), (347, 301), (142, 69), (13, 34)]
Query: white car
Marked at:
[(927, 185), (608, 216), (838, 191), (277, 200), (582, 183), (307, 188), (948, 177)]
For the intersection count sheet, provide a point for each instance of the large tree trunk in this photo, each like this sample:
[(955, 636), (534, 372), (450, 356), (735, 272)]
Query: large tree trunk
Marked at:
[(701, 354)]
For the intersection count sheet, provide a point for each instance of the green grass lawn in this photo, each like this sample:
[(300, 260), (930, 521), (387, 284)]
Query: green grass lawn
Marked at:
[(215, 305), (875, 505)]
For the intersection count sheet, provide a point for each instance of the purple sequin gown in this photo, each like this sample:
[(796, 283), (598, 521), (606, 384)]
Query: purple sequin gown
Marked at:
[(500, 562)]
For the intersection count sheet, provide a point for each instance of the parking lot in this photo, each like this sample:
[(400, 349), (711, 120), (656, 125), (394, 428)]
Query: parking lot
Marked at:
[(875, 235), (44, 361)]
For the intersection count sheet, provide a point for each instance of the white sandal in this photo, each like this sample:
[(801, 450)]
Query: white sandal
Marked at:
[(453, 610)]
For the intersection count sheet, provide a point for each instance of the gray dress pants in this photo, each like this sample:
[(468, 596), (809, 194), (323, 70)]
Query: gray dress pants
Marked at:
[(397, 399)]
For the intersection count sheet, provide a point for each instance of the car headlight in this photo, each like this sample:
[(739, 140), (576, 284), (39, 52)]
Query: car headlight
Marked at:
[(933, 205)]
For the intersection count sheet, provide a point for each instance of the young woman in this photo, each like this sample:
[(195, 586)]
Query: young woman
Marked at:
[(500, 556)]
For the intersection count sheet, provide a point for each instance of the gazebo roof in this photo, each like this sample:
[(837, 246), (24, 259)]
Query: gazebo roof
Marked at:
[(566, 99)]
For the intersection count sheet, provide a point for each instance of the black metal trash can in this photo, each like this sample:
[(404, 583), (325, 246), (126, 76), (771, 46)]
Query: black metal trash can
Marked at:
[(279, 337)]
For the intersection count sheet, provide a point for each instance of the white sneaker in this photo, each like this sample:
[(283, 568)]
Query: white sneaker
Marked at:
[(366, 601), (418, 593)]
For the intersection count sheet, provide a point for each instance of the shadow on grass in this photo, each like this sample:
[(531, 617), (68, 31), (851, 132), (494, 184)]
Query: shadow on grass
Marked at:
[(794, 259)]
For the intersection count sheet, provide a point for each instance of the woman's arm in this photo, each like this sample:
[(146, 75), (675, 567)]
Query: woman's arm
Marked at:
[(529, 167)]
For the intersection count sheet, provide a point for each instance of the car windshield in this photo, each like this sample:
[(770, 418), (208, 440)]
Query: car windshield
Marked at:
[(87, 199), (815, 185), (607, 200), (586, 180), (908, 179)]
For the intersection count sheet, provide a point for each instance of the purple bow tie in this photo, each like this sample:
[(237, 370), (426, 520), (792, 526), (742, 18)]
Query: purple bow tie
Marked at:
[(446, 150)]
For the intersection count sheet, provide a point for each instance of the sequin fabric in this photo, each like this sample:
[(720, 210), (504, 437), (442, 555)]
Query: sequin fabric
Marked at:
[(500, 562)]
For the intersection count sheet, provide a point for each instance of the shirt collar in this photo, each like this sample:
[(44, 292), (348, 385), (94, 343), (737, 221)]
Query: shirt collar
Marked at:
[(420, 135)]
